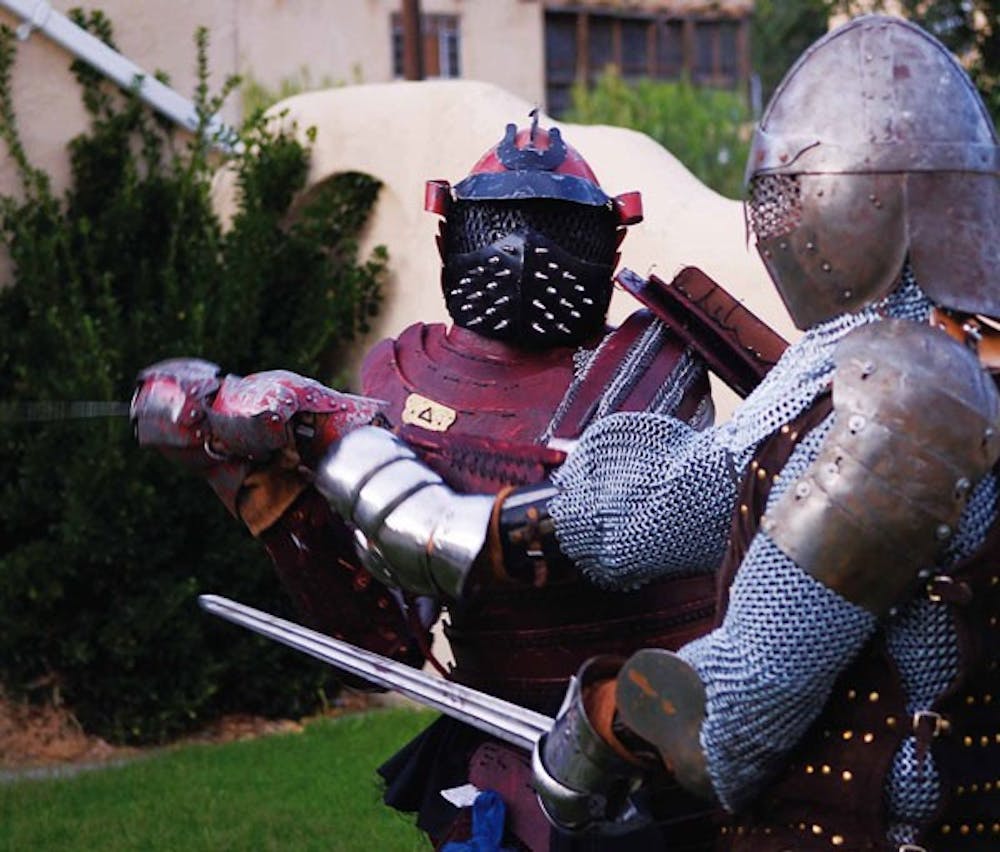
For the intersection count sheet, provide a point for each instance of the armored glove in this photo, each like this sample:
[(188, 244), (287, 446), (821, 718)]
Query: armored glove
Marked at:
[(621, 726), (249, 436)]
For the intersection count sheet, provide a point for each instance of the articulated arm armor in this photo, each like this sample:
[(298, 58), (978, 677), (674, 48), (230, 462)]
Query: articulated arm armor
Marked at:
[(416, 533)]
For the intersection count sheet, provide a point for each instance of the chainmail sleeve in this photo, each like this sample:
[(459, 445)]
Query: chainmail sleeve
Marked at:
[(643, 496), (769, 668)]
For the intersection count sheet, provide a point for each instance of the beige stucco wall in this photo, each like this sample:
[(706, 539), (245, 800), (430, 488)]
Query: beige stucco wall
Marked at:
[(404, 133)]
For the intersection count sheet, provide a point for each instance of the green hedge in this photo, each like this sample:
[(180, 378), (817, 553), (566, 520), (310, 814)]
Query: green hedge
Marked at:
[(708, 130), (104, 547)]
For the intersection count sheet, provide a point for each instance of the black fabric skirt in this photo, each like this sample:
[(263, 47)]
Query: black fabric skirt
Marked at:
[(438, 759)]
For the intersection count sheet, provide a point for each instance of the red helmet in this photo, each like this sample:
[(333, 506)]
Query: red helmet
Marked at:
[(532, 163), (530, 241)]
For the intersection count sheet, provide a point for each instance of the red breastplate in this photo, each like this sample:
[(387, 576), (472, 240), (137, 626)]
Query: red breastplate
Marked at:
[(499, 404)]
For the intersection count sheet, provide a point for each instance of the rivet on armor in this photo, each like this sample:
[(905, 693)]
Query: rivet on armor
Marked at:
[(744, 509), (802, 490), (970, 699), (837, 840), (994, 580), (973, 788), (943, 532), (946, 829), (987, 698), (754, 464), (825, 769), (869, 738), (852, 694), (984, 741), (890, 721), (847, 775), (848, 735), (964, 829), (873, 697), (967, 742), (810, 769), (856, 423), (825, 266), (811, 246), (817, 829), (775, 478), (960, 790), (980, 828), (762, 474), (767, 253), (783, 245), (962, 487), (785, 429)]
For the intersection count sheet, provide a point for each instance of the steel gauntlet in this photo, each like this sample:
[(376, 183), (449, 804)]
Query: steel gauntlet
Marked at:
[(582, 780), (413, 531)]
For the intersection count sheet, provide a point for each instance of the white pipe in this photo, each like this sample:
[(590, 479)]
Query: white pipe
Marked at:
[(39, 15)]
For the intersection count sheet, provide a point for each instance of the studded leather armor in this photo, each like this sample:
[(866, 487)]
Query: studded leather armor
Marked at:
[(831, 793)]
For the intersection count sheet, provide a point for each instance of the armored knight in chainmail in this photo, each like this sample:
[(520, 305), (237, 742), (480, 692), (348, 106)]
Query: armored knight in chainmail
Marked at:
[(848, 696)]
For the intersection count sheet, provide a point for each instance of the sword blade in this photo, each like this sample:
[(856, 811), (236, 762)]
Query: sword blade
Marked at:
[(32, 412), (510, 722)]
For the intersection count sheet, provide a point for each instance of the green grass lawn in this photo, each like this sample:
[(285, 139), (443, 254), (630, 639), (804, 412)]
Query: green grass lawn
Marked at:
[(315, 790)]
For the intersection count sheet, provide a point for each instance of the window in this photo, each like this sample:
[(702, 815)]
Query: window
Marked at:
[(440, 41), (580, 44)]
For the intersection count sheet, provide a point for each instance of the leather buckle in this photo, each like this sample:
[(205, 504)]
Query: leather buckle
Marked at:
[(942, 588), (935, 722)]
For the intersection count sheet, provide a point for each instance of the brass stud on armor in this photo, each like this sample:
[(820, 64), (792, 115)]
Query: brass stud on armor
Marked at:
[(946, 829), (847, 775), (825, 769), (852, 694), (744, 509), (890, 721), (810, 769), (847, 735), (967, 742), (868, 738), (761, 473), (873, 697), (837, 840), (817, 829)]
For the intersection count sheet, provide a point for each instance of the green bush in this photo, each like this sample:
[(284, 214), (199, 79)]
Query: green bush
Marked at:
[(708, 130), (104, 546)]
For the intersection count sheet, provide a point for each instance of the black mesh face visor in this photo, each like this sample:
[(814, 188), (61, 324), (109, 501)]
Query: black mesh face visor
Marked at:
[(534, 273), (585, 232)]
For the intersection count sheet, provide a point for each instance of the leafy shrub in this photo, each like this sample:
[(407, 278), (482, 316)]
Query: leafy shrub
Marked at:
[(104, 546), (706, 129)]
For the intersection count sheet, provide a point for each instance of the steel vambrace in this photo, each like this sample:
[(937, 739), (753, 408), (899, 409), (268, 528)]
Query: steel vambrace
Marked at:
[(414, 532)]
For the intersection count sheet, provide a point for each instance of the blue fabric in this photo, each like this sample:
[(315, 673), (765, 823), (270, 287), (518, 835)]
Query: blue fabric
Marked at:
[(488, 813)]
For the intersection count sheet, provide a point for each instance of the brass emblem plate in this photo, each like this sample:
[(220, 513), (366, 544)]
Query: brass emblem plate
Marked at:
[(427, 414)]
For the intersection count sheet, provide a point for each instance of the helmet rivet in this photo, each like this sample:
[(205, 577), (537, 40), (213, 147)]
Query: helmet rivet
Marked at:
[(825, 266), (943, 532), (811, 246), (783, 245), (847, 294)]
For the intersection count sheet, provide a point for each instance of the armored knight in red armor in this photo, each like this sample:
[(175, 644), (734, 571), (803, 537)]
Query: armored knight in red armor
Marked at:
[(529, 244)]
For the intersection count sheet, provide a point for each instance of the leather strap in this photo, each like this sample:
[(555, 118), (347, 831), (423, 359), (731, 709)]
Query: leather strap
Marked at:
[(738, 346)]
